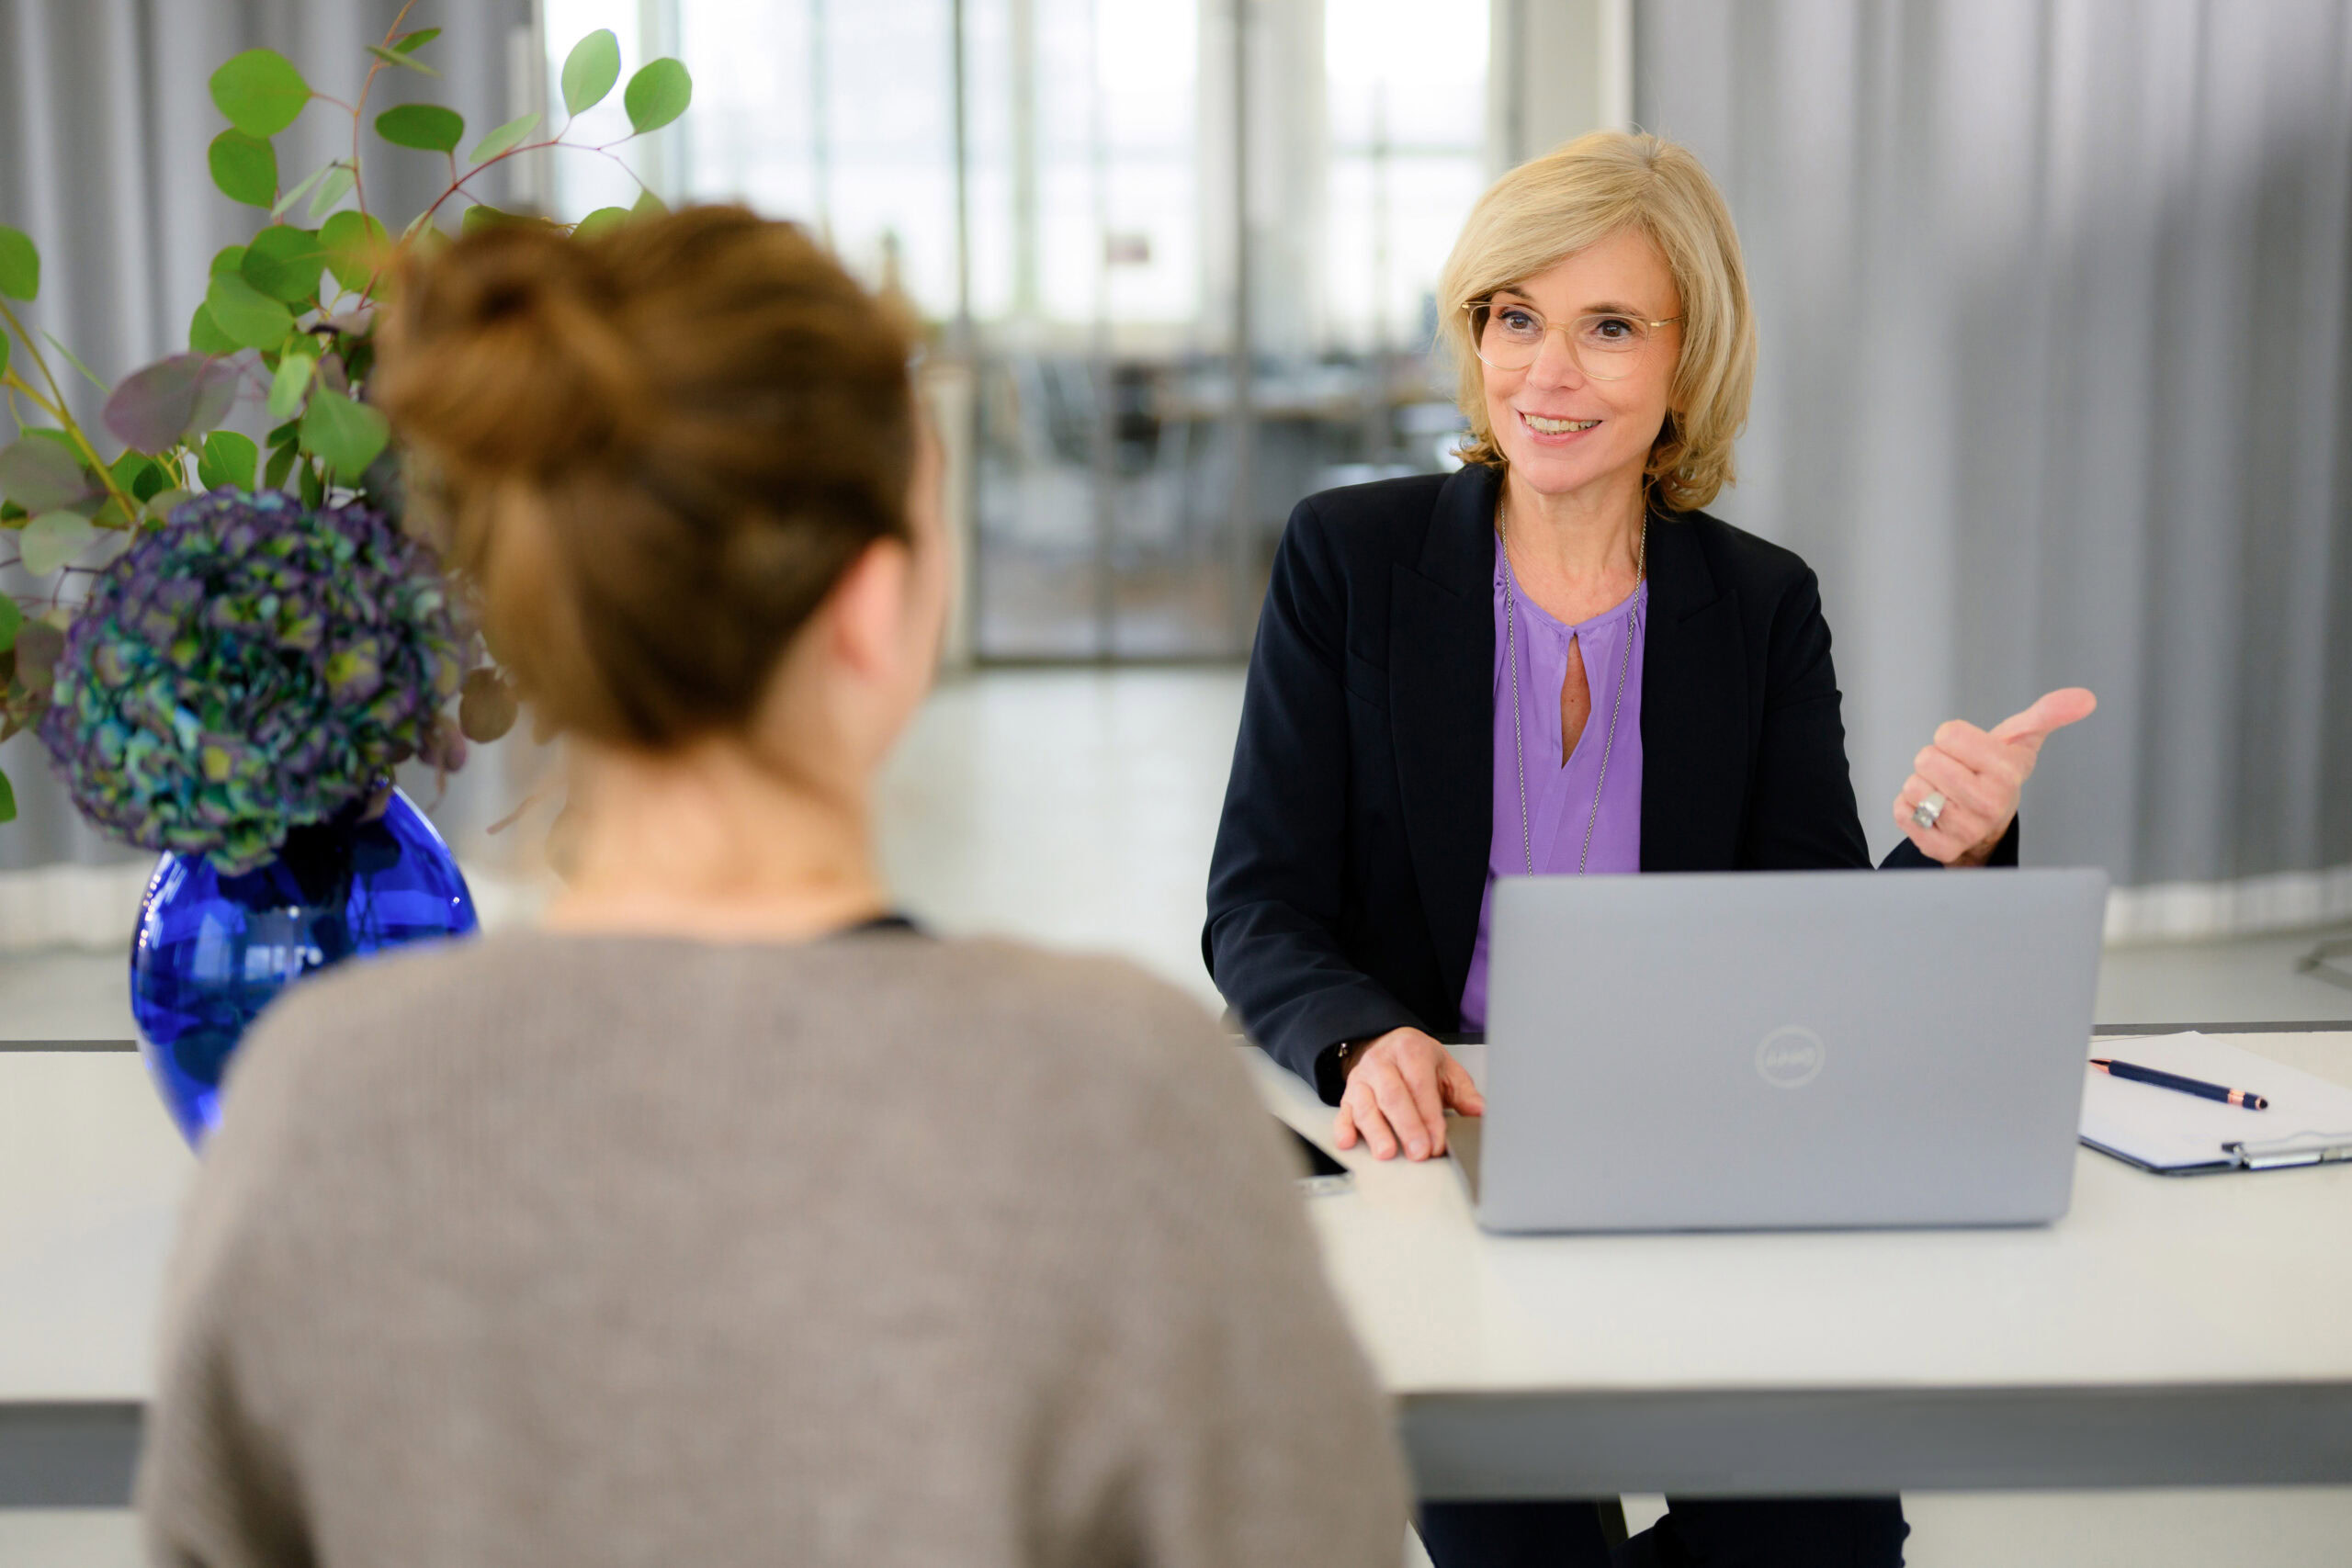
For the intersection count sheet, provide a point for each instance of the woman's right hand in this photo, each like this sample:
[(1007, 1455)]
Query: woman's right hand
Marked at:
[(1399, 1088)]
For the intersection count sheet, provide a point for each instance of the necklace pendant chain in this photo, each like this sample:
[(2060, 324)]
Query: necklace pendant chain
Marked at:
[(1510, 656)]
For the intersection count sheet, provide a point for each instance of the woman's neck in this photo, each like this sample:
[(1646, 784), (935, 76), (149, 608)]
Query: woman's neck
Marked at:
[(1577, 553), (713, 843)]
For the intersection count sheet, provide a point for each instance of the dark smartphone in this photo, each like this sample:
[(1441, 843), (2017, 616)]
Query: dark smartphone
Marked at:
[(1320, 1167)]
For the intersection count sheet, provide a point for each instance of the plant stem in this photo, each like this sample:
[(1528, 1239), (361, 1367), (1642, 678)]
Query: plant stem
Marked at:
[(553, 142), (359, 184), (64, 415), (366, 295)]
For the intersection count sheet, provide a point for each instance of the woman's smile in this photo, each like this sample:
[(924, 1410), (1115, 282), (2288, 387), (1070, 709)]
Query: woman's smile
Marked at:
[(1554, 430)]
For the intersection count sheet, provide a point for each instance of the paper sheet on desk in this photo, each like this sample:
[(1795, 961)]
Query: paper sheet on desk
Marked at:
[(2166, 1130)]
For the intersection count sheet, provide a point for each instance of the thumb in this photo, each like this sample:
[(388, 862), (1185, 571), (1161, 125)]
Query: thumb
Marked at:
[(1462, 1090), (2069, 704)]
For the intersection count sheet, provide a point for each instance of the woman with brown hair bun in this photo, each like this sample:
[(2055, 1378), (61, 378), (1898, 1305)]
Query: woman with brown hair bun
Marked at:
[(727, 1218)]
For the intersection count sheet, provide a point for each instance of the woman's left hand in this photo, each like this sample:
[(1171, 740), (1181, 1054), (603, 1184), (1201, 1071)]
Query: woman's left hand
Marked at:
[(1979, 774)]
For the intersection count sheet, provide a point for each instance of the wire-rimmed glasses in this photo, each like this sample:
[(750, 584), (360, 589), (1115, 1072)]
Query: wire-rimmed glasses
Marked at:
[(1606, 344)]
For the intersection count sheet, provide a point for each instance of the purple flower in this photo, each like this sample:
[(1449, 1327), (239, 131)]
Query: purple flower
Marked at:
[(251, 666)]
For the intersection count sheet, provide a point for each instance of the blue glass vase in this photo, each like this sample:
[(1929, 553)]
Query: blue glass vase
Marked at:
[(212, 951)]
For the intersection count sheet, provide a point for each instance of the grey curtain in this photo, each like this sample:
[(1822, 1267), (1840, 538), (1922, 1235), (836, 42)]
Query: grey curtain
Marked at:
[(105, 119), (2055, 390)]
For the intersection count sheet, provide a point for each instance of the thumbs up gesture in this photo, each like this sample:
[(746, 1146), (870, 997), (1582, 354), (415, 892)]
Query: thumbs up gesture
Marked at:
[(1968, 779)]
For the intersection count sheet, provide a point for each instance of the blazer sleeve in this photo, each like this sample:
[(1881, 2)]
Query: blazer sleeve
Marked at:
[(1801, 812), (1278, 875)]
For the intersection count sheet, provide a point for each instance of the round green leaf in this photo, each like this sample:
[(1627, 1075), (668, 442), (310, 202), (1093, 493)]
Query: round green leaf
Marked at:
[(346, 434), (160, 405), (336, 182), (657, 95), (162, 503), (260, 91), (244, 167), (356, 246), (597, 222), (205, 337), (53, 539), (308, 184), (247, 317), (43, 475), (292, 382), (19, 265), (590, 71), (506, 139), (482, 215), (394, 57), (428, 127), (284, 263), (228, 461), (139, 476)]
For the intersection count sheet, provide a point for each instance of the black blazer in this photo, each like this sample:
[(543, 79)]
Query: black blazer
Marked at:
[(1352, 858)]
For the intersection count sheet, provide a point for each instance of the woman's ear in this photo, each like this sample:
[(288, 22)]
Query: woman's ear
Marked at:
[(865, 614)]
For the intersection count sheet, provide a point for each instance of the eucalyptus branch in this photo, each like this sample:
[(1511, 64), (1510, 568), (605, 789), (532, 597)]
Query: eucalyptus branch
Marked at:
[(603, 150), (620, 163), (458, 183), (359, 109), (358, 183), (32, 348)]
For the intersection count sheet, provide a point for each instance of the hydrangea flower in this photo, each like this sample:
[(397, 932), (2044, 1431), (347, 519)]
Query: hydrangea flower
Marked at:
[(252, 667)]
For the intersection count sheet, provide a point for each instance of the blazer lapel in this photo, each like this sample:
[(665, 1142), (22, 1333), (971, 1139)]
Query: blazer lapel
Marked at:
[(1440, 689), (1694, 711)]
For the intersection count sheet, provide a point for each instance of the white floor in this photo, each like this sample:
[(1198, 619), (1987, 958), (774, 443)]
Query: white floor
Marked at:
[(1078, 810)]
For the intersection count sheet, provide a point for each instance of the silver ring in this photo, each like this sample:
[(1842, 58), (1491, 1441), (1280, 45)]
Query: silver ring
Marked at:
[(1927, 811)]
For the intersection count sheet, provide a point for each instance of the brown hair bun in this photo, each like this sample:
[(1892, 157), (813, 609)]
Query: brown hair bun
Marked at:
[(660, 447)]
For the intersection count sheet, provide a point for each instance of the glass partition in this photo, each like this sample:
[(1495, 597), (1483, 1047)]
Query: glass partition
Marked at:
[(1168, 343)]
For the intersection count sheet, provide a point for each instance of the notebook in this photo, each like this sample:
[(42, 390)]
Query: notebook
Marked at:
[(2172, 1134)]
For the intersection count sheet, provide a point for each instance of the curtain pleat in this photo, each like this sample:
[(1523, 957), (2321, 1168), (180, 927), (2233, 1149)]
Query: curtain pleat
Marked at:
[(2056, 389)]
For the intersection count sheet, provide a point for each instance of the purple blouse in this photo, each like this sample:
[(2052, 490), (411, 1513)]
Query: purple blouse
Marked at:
[(1559, 799)]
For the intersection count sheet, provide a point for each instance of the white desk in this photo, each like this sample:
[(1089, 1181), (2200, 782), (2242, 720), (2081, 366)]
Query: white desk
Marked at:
[(2169, 1331)]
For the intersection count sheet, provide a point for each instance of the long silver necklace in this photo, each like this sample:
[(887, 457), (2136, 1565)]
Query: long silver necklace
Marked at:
[(1510, 655)]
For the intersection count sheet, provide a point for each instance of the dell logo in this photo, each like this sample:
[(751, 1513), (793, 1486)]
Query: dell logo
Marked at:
[(1791, 1056)]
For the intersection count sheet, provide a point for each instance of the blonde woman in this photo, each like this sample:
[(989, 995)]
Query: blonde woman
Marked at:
[(1553, 661)]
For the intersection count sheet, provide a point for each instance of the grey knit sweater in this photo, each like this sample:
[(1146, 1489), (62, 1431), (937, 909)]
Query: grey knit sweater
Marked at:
[(568, 1250)]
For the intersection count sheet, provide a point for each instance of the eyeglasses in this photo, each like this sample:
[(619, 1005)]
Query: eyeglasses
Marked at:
[(1606, 346)]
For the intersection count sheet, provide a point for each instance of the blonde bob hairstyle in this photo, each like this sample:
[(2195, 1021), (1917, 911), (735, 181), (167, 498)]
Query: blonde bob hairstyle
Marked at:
[(1553, 206)]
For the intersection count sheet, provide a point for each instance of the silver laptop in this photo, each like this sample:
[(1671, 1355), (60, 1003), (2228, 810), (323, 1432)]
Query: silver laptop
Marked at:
[(1764, 1051)]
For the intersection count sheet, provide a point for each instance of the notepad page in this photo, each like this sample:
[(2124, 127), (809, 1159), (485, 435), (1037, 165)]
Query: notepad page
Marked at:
[(2170, 1130)]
